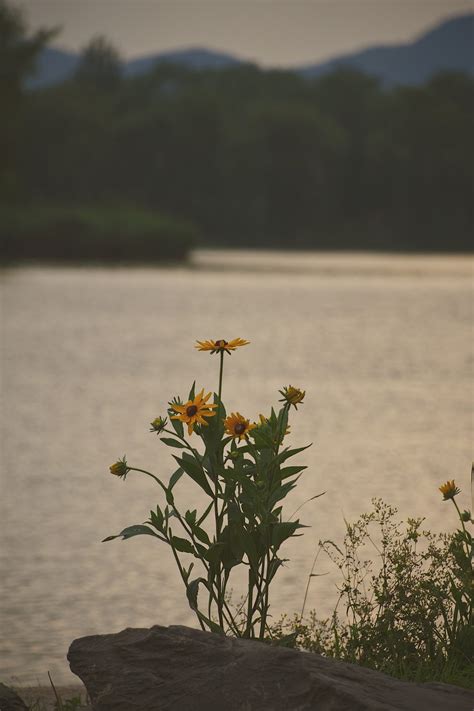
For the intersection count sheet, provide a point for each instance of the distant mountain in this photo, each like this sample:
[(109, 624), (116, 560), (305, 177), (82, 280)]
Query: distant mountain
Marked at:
[(196, 58), (55, 66), (449, 46)]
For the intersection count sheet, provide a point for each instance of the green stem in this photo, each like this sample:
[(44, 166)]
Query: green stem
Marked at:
[(143, 471), (217, 517), (180, 568), (467, 551), (221, 371)]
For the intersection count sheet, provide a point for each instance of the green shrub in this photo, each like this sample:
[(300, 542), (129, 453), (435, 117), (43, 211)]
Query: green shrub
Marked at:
[(411, 614), (93, 234)]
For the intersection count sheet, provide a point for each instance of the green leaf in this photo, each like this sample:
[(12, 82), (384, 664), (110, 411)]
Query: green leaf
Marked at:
[(250, 549), (290, 471), (190, 517), (280, 493), (192, 469), (214, 552), (192, 592), (175, 477), (201, 535), (156, 519), (182, 545), (287, 453), (283, 530), (192, 392), (205, 514), (262, 439), (131, 531), (176, 424), (187, 573), (170, 442), (275, 564)]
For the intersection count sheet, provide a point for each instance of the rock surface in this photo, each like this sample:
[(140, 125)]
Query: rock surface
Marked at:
[(10, 701), (182, 669)]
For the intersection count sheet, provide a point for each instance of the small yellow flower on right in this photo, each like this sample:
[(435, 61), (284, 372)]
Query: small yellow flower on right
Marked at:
[(293, 396), (449, 490), (237, 426)]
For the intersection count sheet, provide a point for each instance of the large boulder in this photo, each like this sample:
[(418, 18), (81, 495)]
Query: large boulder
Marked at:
[(182, 669)]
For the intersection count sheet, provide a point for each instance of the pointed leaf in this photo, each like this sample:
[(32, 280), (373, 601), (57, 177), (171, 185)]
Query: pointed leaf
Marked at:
[(175, 477), (192, 469), (182, 545), (170, 442)]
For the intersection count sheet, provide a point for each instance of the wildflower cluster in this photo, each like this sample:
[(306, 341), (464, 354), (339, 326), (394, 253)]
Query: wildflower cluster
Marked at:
[(241, 466)]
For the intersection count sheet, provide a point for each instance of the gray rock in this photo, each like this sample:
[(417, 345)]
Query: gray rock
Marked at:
[(10, 701), (182, 669)]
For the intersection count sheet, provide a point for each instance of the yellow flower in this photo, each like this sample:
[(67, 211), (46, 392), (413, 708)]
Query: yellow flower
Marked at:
[(194, 411), (237, 426), (293, 396), (158, 424), (221, 346), (119, 468), (449, 490)]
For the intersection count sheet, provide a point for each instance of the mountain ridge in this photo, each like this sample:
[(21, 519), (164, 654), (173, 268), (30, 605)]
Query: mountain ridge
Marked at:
[(448, 46)]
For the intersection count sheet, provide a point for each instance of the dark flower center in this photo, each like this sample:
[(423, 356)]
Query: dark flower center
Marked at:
[(221, 343), (240, 428), (191, 410)]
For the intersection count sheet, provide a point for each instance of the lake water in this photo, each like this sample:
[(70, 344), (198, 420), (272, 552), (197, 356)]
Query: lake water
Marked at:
[(383, 346)]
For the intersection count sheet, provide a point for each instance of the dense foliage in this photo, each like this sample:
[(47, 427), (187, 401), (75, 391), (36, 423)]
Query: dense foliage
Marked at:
[(254, 157), (107, 233)]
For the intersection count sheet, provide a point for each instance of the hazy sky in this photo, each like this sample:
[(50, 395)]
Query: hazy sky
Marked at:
[(270, 32)]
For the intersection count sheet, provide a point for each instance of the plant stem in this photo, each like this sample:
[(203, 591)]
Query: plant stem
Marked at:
[(220, 591), (143, 471)]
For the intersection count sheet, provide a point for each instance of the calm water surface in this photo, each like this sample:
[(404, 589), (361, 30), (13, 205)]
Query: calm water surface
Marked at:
[(382, 345)]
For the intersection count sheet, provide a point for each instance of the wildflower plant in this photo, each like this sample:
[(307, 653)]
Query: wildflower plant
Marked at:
[(243, 469), (409, 613)]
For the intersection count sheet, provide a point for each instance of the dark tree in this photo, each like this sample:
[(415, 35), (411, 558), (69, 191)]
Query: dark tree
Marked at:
[(18, 53), (100, 65)]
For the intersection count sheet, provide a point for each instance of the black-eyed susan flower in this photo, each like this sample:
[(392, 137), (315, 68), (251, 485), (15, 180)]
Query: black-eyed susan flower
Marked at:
[(293, 396), (221, 345), (158, 424), (237, 426), (120, 468), (449, 490), (194, 411)]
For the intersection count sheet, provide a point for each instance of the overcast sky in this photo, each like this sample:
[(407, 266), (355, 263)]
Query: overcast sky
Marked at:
[(270, 32)]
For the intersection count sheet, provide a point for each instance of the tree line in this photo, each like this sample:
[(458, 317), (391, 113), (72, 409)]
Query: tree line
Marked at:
[(251, 157)]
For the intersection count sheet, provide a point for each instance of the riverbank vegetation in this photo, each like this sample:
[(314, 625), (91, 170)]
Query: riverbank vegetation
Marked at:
[(405, 601), (98, 233)]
